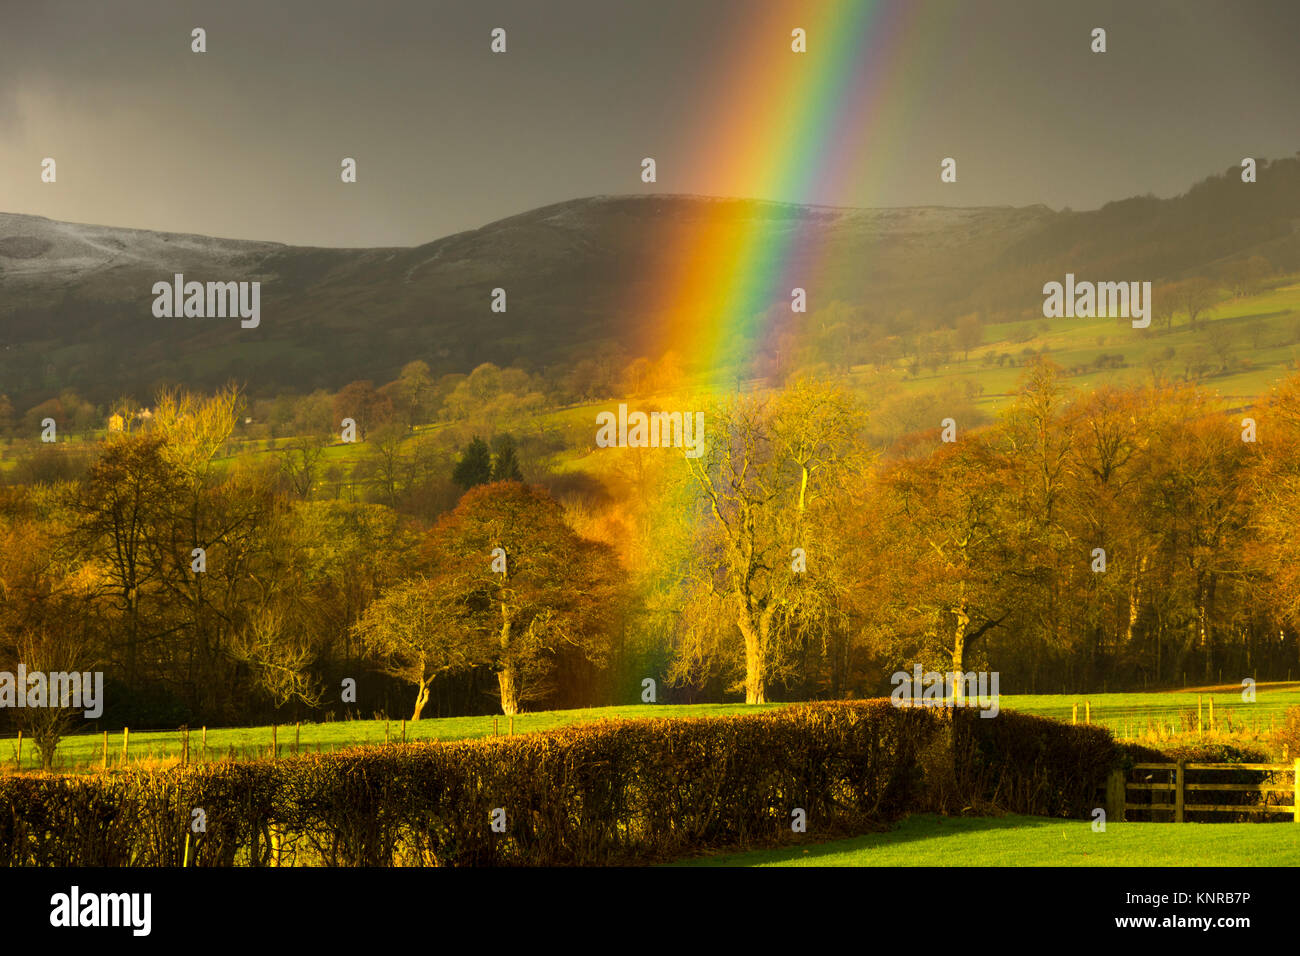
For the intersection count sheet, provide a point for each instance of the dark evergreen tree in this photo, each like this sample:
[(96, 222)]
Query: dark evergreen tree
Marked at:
[(475, 465), (507, 462)]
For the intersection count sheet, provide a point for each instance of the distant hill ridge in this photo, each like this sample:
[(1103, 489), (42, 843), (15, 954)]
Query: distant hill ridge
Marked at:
[(75, 298)]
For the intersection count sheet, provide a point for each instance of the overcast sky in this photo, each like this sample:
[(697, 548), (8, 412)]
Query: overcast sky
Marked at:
[(245, 140)]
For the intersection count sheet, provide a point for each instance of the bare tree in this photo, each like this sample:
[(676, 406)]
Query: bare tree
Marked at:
[(1195, 297), (770, 461)]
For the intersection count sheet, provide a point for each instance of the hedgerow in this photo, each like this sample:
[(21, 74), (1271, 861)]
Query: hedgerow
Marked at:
[(614, 792)]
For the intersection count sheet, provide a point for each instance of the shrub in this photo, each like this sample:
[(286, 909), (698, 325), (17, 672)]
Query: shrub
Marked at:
[(605, 793), (1020, 763), (1287, 738)]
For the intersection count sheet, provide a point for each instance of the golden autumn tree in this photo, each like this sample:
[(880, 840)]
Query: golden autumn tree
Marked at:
[(510, 585), (420, 633), (1274, 487), (761, 576), (948, 514)]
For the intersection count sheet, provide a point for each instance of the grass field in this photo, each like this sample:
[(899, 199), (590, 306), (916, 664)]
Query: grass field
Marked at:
[(1262, 329), (928, 840), (1127, 715), (1169, 713)]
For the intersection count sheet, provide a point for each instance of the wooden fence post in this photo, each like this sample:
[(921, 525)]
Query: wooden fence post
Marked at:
[(185, 747), (1295, 790), (494, 727), (19, 764), (1211, 715), (1198, 715), (126, 743), (1116, 795), (1180, 773), (1087, 712), (385, 731), (512, 724), (297, 736), (275, 748), (1074, 714), (403, 730), (104, 759)]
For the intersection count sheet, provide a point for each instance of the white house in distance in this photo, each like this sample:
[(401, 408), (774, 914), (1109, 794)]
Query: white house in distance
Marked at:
[(118, 422)]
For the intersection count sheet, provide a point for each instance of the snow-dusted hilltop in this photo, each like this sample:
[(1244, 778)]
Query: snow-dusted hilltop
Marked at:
[(32, 247)]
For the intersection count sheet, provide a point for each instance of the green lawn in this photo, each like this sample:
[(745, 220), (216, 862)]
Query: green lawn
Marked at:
[(1130, 714), (928, 840)]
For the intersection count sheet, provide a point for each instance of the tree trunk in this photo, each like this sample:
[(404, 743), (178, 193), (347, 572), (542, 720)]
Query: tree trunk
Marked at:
[(1134, 609), (508, 681), (507, 677), (755, 661), (421, 698), (1207, 626), (755, 679), (1202, 621), (959, 654)]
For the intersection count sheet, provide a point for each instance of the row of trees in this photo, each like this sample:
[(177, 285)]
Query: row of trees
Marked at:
[(199, 588), (484, 398), (1112, 538)]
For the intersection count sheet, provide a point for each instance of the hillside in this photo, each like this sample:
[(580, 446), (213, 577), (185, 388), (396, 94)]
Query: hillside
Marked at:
[(75, 300)]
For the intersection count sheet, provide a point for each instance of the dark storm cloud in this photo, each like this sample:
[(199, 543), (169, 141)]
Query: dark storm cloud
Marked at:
[(246, 139)]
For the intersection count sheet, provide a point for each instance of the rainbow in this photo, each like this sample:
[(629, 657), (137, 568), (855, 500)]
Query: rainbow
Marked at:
[(786, 127)]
